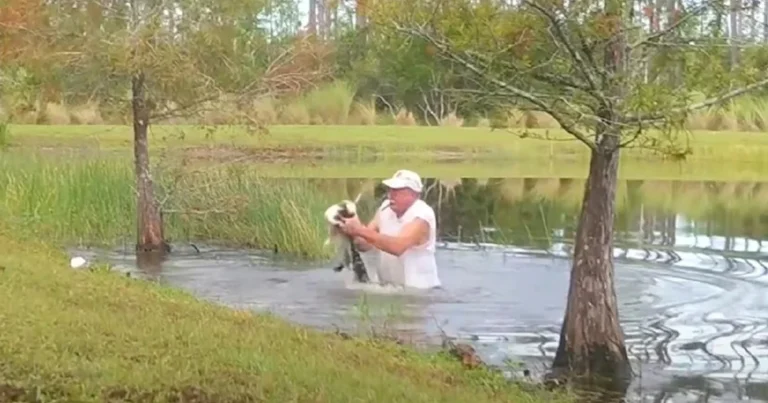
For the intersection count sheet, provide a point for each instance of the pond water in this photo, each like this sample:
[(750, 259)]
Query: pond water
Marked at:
[(691, 279)]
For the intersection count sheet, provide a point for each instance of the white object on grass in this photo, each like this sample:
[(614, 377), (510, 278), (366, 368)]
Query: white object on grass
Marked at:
[(77, 262)]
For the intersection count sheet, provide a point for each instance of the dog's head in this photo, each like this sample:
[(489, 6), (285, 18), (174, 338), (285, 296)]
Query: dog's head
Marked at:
[(344, 209)]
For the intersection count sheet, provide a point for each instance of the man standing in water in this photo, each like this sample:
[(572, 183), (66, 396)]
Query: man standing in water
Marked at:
[(403, 234)]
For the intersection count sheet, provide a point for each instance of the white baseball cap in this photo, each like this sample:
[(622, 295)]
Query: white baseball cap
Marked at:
[(404, 179)]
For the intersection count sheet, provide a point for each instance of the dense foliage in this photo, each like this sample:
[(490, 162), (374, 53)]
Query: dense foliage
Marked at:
[(342, 63)]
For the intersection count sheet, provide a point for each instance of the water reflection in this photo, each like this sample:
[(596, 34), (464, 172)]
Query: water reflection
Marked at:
[(535, 212), (150, 264), (690, 271)]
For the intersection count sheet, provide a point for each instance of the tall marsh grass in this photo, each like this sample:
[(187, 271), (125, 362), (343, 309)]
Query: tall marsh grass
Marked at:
[(337, 103), (236, 205), (79, 202), (92, 202), (747, 113)]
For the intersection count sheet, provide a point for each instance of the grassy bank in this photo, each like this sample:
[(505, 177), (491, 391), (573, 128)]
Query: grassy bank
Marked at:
[(421, 142), (88, 336)]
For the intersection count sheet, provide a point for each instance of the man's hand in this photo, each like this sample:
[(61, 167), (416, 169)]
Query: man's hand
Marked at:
[(355, 228), (412, 234), (351, 226)]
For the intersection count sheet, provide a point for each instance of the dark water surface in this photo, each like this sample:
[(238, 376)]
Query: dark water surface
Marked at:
[(691, 279)]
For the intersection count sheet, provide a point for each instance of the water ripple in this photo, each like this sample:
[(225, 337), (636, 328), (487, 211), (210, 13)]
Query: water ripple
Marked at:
[(695, 319)]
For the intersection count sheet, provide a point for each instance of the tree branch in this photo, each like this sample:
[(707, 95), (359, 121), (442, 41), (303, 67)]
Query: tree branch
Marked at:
[(561, 81), (588, 54), (660, 34), (547, 78), (513, 90), (637, 134), (563, 39), (699, 105)]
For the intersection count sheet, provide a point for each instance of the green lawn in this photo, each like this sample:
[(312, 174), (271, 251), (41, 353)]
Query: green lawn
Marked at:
[(739, 146), (82, 336), (629, 169)]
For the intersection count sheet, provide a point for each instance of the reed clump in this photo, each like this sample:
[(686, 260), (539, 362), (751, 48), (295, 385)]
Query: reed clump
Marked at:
[(236, 205), (91, 201)]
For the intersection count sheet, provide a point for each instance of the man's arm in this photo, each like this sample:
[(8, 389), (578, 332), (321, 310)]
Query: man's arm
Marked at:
[(373, 225), (412, 234)]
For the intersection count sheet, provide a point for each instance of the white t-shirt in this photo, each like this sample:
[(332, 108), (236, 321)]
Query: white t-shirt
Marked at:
[(416, 267)]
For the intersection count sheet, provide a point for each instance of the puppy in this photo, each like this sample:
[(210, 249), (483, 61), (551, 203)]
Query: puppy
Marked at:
[(347, 254)]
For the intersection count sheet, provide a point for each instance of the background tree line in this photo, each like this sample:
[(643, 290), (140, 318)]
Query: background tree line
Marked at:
[(66, 61)]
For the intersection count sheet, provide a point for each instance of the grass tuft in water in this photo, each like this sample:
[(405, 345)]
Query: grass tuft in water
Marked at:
[(92, 202), (92, 336)]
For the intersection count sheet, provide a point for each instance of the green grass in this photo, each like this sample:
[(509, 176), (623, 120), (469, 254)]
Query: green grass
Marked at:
[(423, 142), (91, 202), (84, 335)]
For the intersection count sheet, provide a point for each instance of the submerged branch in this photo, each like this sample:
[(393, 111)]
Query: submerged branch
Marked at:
[(511, 89)]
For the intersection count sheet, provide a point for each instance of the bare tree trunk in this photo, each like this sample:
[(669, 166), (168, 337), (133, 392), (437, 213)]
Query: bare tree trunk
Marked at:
[(327, 20), (671, 229), (676, 71), (591, 338), (765, 21), (735, 32), (313, 17), (718, 17), (753, 21), (361, 12), (320, 16), (149, 220), (335, 20)]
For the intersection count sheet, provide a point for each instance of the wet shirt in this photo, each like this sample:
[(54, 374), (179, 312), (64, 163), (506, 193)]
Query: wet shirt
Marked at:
[(416, 267)]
